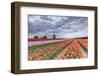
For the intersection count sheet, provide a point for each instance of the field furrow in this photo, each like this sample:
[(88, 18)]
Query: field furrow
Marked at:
[(50, 52), (68, 49), (73, 51)]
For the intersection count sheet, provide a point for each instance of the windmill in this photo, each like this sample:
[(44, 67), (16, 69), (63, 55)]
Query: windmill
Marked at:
[(54, 35), (51, 34)]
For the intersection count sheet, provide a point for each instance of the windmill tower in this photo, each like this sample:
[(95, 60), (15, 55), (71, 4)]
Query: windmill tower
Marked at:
[(54, 35)]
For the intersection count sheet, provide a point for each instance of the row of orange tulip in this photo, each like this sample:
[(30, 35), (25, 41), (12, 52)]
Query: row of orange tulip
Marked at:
[(73, 51), (84, 42), (49, 51)]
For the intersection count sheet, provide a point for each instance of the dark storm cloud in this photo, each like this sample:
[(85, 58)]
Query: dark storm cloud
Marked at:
[(62, 26)]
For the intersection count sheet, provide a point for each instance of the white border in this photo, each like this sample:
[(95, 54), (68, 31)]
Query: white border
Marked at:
[(25, 64)]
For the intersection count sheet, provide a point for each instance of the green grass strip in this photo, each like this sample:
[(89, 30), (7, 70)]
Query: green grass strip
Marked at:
[(36, 49), (40, 47), (57, 52)]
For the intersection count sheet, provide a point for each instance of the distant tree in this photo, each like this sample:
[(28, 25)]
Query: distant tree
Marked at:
[(36, 37), (45, 37)]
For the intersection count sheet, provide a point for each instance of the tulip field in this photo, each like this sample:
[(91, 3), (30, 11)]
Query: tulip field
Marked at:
[(64, 49)]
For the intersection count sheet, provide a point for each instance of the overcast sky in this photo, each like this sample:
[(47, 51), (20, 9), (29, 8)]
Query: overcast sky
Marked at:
[(62, 26)]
